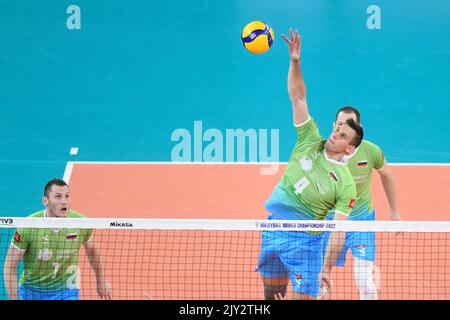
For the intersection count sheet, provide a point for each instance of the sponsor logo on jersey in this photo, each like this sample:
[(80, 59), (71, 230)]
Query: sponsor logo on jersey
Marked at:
[(334, 176), (71, 236), (352, 203), (362, 163), (17, 237)]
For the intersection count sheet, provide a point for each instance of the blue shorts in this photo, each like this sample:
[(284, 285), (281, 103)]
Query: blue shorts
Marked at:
[(361, 244), (294, 254), (26, 293)]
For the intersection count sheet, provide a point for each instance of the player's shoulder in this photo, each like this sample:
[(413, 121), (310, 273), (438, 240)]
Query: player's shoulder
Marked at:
[(25, 231), (368, 146), (37, 214), (76, 214), (313, 122), (308, 124), (371, 150)]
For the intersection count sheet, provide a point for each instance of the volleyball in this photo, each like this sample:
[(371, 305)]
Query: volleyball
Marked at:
[(257, 37)]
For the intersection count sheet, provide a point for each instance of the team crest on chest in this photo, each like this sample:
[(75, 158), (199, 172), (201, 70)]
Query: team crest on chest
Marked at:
[(45, 254), (306, 163)]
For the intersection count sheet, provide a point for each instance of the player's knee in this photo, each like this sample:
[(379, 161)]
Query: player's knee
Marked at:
[(364, 279), (271, 291)]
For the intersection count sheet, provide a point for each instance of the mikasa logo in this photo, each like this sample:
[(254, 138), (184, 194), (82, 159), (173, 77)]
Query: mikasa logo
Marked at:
[(121, 224)]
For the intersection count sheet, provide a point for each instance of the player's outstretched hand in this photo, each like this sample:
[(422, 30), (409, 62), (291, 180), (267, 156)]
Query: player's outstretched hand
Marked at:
[(293, 44), (325, 282)]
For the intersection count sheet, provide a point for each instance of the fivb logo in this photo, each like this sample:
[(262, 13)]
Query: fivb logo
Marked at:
[(6, 221), (236, 145)]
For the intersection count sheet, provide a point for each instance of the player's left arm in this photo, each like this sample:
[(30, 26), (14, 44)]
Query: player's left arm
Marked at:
[(390, 190), (344, 205), (10, 271), (335, 243), (95, 259)]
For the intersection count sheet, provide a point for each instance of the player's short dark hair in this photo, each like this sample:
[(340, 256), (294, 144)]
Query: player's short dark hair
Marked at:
[(350, 109), (359, 132), (51, 183)]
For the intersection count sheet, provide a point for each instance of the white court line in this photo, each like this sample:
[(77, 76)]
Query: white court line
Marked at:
[(68, 171)]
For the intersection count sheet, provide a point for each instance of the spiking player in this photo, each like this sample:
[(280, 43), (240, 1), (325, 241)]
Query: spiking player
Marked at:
[(315, 181), (50, 256)]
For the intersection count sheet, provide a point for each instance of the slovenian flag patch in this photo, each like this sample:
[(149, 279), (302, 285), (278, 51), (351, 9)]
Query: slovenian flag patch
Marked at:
[(71, 236), (352, 203), (362, 163), (17, 237)]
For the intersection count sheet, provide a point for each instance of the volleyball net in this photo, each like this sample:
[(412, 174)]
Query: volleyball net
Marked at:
[(196, 259)]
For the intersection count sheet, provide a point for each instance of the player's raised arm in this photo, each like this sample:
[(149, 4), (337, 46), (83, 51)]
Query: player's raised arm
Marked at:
[(296, 84)]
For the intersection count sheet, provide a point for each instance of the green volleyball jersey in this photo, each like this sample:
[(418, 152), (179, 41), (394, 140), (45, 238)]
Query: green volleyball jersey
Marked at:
[(50, 261), (368, 156), (312, 183)]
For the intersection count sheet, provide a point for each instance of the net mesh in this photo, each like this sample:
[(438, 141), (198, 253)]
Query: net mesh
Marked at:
[(218, 259)]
